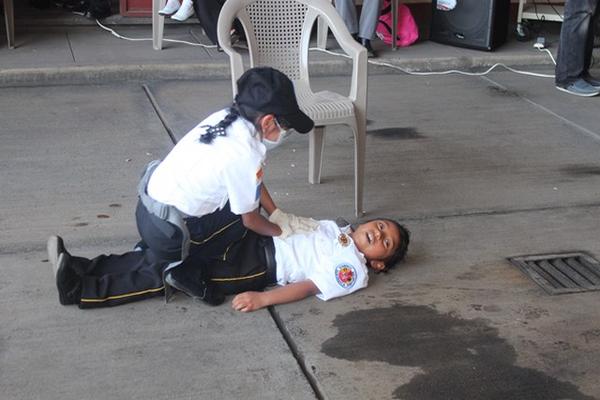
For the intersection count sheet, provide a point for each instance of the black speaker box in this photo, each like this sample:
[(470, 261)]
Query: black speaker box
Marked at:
[(477, 24)]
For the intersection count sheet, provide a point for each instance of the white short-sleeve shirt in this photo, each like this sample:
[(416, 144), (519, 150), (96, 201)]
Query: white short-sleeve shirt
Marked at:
[(199, 178), (326, 256)]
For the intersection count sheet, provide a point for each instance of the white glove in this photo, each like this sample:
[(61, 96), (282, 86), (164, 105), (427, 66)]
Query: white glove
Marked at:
[(281, 219), (302, 224), (290, 223)]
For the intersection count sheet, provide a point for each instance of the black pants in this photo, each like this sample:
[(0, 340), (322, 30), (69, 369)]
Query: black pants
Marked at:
[(207, 12), (247, 264), (217, 240)]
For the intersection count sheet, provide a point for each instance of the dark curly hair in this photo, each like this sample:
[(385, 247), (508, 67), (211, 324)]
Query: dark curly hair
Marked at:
[(400, 252)]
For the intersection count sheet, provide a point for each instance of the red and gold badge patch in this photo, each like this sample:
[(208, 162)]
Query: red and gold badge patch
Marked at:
[(345, 275)]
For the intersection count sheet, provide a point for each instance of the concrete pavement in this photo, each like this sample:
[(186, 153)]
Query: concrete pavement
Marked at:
[(478, 168)]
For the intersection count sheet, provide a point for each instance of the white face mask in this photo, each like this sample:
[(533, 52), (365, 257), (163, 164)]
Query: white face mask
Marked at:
[(283, 134)]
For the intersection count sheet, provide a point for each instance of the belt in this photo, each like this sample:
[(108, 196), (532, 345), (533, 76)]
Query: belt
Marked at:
[(269, 249), (163, 211)]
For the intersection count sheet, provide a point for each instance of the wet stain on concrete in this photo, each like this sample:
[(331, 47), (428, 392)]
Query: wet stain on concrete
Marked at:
[(592, 335), (460, 359), (581, 170), (399, 133), (498, 91)]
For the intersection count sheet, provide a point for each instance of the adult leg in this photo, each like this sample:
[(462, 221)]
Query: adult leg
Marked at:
[(369, 16), (207, 12), (589, 45), (347, 11), (574, 34)]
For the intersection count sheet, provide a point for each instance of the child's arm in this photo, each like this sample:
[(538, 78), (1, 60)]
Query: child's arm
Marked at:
[(251, 301), (266, 201), (254, 221)]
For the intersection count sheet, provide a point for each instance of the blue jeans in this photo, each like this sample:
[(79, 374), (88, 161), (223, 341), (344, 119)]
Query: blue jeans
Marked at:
[(576, 41)]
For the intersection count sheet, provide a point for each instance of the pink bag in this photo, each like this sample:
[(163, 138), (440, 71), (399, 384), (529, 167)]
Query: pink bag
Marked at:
[(407, 32)]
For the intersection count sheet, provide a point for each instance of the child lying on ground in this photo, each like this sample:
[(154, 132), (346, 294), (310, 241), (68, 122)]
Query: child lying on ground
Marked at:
[(328, 262)]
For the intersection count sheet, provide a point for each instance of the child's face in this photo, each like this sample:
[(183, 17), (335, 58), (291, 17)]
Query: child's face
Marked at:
[(377, 240)]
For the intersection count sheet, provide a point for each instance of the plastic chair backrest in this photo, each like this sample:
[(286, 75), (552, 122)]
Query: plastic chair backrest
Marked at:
[(277, 32)]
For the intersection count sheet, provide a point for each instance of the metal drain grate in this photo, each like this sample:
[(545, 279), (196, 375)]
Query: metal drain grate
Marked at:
[(561, 273)]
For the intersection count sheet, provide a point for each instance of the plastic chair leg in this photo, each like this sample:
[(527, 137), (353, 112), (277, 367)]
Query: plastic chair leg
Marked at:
[(158, 24), (315, 153), (359, 167), (9, 18), (394, 24), (322, 30)]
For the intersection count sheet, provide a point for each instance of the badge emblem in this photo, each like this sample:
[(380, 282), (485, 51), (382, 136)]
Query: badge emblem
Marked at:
[(345, 274), (344, 239)]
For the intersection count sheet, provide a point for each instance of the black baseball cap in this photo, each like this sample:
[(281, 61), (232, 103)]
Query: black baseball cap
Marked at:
[(270, 91)]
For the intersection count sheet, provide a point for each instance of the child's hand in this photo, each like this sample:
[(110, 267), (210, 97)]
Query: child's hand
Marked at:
[(248, 301)]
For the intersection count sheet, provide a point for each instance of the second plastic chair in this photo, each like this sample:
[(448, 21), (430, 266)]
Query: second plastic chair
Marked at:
[(278, 35)]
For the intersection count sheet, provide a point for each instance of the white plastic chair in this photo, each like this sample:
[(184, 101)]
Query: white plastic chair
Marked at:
[(158, 24), (278, 36)]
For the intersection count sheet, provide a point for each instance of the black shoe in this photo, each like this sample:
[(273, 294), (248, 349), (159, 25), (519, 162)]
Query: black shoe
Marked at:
[(68, 282), (200, 290), (55, 246), (367, 45)]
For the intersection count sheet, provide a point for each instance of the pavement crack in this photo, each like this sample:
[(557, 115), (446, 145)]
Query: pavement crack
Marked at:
[(310, 377), (594, 135), (159, 113), (477, 213)]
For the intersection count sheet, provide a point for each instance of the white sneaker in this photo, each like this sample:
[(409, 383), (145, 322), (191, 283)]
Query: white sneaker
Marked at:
[(170, 8), (185, 11)]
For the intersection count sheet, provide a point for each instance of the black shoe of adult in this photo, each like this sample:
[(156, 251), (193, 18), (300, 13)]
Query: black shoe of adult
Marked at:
[(200, 290), (55, 246), (68, 282), (367, 45)]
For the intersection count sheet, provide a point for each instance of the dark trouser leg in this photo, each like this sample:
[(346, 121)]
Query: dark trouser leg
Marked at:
[(163, 238), (212, 234), (207, 12), (212, 237), (576, 40), (589, 46), (243, 268), (119, 279)]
